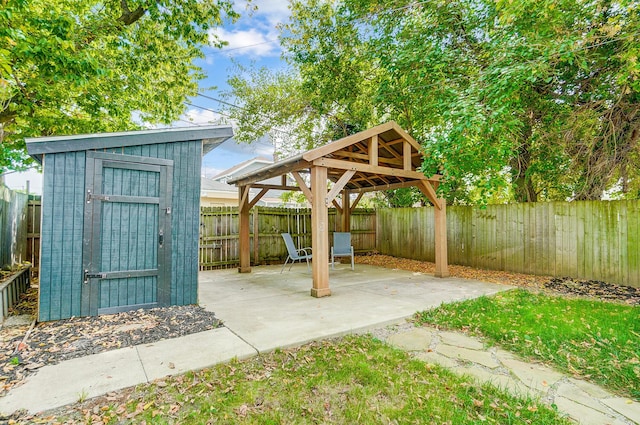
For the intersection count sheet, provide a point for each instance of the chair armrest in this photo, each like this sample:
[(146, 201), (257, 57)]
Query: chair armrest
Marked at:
[(306, 251)]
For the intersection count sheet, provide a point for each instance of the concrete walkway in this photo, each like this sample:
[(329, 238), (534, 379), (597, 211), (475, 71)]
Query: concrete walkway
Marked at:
[(264, 310)]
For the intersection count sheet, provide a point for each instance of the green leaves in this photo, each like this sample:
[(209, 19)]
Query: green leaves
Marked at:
[(514, 101), (77, 67)]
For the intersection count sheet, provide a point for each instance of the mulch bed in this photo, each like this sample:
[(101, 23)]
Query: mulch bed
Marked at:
[(52, 342), (593, 289)]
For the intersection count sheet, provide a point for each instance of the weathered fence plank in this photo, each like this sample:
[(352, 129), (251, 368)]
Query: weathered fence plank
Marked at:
[(219, 233), (13, 227), (586, 239), (33, 233)]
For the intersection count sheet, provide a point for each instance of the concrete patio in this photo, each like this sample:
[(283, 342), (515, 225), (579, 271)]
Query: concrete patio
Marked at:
[(268, 309), (262, 310)]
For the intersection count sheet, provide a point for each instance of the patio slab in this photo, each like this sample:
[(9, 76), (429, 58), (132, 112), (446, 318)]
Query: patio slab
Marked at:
[(269, 309)]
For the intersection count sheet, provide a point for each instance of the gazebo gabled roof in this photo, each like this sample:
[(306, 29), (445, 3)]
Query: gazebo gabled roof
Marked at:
[(382, 157)]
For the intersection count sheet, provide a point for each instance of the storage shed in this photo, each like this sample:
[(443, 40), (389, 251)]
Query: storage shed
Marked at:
[(120, 219)]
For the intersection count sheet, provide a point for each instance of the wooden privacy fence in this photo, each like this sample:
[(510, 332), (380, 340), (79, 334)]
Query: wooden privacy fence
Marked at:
[(34, 211), (13, 227), (587, 239), (219, 233)]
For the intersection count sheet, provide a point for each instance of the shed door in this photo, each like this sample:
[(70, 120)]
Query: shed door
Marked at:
[(127, 233)]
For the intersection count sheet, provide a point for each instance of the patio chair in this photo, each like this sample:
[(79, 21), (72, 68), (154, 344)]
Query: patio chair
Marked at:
[(341, 247), (295, 253)]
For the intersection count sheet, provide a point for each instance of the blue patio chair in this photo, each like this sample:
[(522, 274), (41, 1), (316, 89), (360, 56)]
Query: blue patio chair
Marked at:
[(295, 253), (341, 247)]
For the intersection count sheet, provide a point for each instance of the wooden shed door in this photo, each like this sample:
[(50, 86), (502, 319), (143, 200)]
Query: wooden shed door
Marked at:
[(127, 233)]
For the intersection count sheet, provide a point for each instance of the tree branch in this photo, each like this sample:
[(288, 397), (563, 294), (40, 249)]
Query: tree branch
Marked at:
[(128, 17)]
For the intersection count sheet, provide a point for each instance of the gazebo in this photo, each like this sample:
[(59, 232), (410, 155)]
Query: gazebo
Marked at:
[(380, 158)]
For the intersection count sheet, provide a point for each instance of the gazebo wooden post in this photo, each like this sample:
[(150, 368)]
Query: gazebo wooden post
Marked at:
[(440, 216), (346, 211), (320, 232), (244, 239)]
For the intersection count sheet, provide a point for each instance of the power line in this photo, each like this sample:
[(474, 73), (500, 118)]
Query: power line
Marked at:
[(248, 45), (220, 101), (208, 109)]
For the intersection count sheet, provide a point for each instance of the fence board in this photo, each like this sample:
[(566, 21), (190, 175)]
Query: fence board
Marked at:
[(219, 233), (586, 239), (13, 227)]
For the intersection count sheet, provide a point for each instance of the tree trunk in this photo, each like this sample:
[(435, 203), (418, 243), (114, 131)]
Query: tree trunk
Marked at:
[(523, 188)]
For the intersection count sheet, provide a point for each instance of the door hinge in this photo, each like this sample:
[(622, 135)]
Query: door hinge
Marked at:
[(88, 276)]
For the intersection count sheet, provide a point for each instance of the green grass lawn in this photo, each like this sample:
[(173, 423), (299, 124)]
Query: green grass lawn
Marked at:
[(352, 380), (598, 341)]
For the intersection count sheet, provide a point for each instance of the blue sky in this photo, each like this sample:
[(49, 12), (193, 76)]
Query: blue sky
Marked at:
[(252, 39)]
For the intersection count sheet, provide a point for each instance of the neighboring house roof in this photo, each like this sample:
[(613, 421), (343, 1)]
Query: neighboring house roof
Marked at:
[(243, 168), (210, 188), (214, 185)]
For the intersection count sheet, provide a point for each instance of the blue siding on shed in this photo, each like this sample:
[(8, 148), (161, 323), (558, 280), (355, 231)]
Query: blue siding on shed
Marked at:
[(61, 236), (63, 203)]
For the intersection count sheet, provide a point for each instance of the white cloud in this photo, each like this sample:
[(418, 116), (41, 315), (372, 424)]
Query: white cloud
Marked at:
[(201, 117), (275, 11), (248, 42)]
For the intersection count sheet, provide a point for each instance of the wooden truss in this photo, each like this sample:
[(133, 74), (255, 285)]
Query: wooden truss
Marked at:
[(380, 158)]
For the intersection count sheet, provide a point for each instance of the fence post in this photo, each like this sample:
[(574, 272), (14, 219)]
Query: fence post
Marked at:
[(440, 216)]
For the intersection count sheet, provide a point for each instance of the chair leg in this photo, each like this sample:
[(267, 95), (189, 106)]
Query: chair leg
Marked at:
[(291, 265), (285, 263), (352, 259), (308, 267), (333, 260)]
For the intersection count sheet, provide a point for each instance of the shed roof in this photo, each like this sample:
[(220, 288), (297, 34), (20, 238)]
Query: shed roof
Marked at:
[(210, 135), (383, 157)]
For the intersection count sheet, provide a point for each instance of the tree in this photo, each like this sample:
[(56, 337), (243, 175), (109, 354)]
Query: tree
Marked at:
[(521, 101), (88, 66)]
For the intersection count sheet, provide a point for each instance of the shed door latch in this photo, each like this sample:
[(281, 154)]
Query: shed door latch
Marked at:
[(91, 196), (88, 276), (161, 238)]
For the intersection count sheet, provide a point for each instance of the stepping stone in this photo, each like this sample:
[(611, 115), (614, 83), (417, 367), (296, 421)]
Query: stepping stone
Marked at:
[(584, 414), (624, 406), (481, 357), (435, 358), (460, 340), (576, 394), (534, 376), (591, 389), (499, 380), (418, 339)]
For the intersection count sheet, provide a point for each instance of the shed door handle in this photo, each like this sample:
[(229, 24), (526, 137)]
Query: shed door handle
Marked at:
[(161, 238)]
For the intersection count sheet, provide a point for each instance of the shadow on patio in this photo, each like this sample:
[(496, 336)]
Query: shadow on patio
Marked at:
[(269, 310)]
